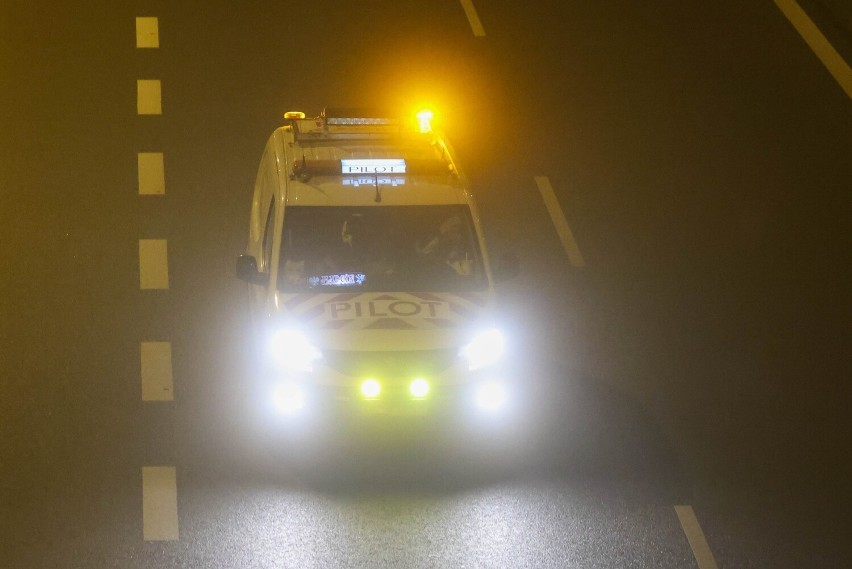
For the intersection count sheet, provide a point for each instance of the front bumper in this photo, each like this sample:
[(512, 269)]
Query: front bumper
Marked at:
[(454, 391)]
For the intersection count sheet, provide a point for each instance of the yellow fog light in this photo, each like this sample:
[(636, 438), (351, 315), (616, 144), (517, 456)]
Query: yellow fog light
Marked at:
[(419, 388), (370, 388)]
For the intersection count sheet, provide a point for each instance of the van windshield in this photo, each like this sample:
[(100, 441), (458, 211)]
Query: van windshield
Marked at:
[(420, 248)]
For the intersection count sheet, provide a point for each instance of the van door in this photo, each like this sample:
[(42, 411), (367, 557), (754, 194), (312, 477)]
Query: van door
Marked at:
[(262, 225)]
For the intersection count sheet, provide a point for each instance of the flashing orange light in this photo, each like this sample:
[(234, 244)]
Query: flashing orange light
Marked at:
[(424, 120)]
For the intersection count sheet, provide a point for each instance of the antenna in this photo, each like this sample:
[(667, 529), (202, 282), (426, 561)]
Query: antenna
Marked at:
[(301, 172), (378, 198)]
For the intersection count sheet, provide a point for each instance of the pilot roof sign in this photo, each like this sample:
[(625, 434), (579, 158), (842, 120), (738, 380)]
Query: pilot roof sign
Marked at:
[(372, 166)]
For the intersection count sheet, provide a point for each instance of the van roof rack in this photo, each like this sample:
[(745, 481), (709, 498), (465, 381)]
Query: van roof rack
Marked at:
[(340, 123)]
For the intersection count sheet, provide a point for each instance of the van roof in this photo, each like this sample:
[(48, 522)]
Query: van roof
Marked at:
[(313, 168)]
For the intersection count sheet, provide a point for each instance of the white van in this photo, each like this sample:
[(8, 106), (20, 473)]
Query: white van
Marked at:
[(371, 287)]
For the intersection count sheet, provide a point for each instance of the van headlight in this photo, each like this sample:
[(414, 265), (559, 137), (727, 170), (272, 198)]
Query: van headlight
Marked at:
[(289, 398), (491, 396), (290, 349), (485, 349)]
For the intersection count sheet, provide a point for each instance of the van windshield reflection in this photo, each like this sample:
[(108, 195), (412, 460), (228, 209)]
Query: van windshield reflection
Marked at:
[(431, 248)]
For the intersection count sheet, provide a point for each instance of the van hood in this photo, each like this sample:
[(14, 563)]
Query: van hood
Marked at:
[(386, 321)]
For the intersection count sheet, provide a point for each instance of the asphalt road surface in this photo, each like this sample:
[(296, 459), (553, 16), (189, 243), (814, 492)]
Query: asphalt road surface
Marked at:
[(687, 348)]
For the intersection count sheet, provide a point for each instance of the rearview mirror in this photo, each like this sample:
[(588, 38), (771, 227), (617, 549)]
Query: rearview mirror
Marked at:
[(247, 271)]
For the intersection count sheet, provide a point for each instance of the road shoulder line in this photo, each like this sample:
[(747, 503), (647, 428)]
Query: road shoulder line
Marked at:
[(695, 537), (473, 18), (818, 43), (566, 236)]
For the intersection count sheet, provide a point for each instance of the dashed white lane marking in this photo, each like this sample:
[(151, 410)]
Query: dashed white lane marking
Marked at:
[(473, 18), (818, 43), (695, 537), (149, 97), (147, 32), (157, 384), (153, 264), (159, 503), (566, 236), (152, 180)]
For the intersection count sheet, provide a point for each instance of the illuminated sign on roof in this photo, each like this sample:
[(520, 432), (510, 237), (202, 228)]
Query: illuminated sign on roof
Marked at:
[(372, 166)]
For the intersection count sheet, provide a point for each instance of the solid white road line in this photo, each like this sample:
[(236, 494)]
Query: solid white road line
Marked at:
[(152, 180), (473, 18), (818, 43), (695, 537), (159, 503), (147, 32), (566, 236), (156, 361), (153, 264), (149, 97)]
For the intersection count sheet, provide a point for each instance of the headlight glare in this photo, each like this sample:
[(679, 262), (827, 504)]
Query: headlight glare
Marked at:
[(289, 398), (491, 396), (292, 350), (486, 349)]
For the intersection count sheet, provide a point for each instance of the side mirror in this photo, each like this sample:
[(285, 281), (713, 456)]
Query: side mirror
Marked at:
[(507, 266), (247, 271)]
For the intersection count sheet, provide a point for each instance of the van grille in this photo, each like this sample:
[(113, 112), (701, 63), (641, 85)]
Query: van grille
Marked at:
[(402, 363)]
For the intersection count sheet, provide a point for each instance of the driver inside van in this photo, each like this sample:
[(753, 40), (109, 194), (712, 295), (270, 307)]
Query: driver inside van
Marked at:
[(447, 246)]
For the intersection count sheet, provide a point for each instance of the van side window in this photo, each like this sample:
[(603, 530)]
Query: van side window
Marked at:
[(267, 237)]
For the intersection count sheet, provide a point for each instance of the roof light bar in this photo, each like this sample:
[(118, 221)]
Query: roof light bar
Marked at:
[(340, 117), (340, 121)]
